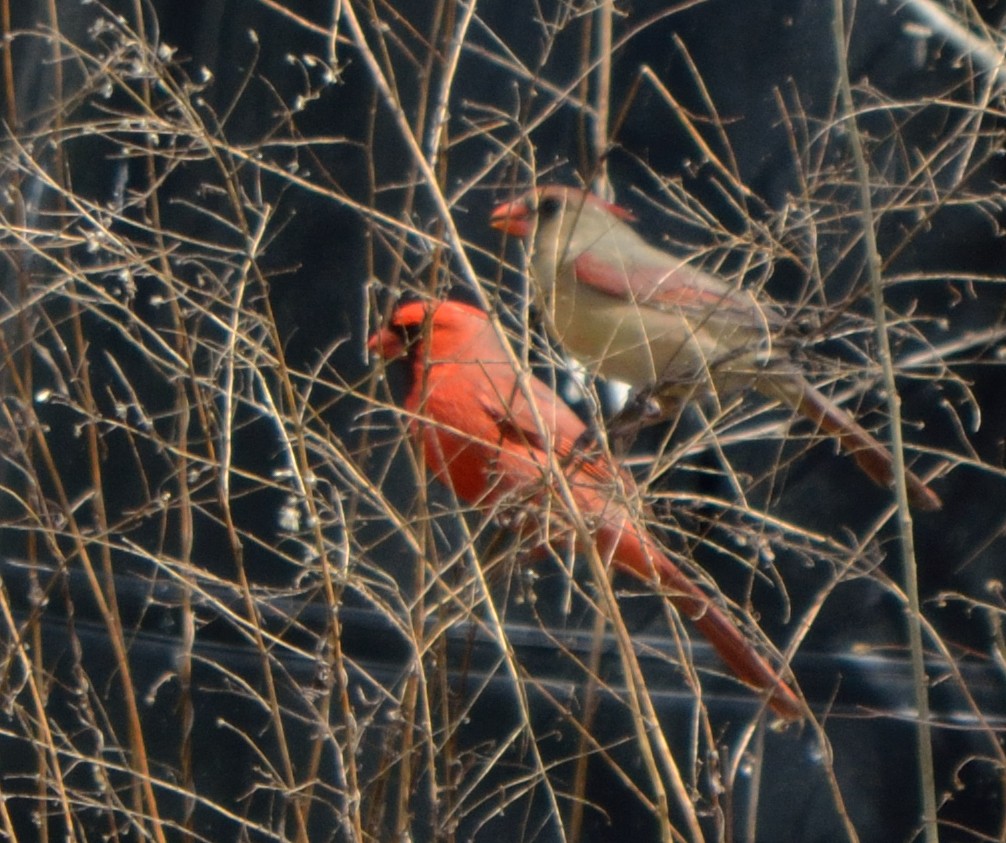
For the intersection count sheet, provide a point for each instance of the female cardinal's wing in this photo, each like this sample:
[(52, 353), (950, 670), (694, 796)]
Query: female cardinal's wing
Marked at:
[(673, 286)]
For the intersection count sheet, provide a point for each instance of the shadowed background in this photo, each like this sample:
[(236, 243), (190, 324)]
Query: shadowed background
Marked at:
[(217, 572)]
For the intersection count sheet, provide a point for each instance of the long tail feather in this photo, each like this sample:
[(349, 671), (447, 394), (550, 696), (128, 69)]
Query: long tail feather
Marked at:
[(636, 553), (872, 457)]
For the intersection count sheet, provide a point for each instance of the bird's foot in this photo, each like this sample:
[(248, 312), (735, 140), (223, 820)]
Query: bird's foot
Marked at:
[(641, 410), (586, 443)]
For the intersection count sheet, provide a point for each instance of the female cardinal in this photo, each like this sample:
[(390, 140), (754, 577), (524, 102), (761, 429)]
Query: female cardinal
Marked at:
[(629, 311), (499, 441)]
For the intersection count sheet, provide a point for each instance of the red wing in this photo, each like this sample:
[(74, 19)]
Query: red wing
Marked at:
[(680, 288), (517, 425)]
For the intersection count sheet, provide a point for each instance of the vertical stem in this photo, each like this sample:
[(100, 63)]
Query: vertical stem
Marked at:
[(602, 98), (927, 782)]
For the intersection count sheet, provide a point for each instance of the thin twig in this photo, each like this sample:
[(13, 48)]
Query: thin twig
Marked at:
[(927, 777)]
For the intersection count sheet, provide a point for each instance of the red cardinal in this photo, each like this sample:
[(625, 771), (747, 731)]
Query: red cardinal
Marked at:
[(629, 311), (494, 444)]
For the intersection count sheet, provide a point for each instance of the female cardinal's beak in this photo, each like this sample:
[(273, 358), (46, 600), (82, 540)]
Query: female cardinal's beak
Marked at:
[(513, 218)]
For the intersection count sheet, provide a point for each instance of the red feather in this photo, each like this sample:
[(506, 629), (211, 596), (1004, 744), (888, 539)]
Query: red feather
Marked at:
[(489, 440)]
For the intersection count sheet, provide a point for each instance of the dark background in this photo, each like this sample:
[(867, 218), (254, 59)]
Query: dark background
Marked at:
[(327, 179)]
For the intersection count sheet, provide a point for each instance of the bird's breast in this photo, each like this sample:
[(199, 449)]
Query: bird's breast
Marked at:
[(640, 344), (618, 338)]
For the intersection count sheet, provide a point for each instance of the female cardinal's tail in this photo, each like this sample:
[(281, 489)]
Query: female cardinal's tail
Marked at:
[(872, 457)]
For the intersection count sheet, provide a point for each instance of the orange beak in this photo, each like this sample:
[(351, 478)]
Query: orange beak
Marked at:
[(513, 218), (386, 343)]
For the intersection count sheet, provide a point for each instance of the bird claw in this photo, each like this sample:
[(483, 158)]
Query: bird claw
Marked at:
[(585, 443), (641, 410)]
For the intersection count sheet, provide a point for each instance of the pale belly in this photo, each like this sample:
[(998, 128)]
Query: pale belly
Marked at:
[(642, 346)]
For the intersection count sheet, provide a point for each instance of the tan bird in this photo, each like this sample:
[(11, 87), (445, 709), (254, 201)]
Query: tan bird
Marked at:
[(630, 311)]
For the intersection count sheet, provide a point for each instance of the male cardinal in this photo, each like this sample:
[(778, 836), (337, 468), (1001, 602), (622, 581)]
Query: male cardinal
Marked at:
[(630, 311), (498, 442)]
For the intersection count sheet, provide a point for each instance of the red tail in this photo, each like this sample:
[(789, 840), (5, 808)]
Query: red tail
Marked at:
[(636, 553)]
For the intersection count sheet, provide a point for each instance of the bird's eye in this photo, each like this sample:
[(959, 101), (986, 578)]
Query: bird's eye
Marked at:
[(410, 333), (549, 207)]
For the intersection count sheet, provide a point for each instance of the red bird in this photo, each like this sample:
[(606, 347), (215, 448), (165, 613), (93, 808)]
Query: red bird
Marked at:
[(630, 311), (495, 442)]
